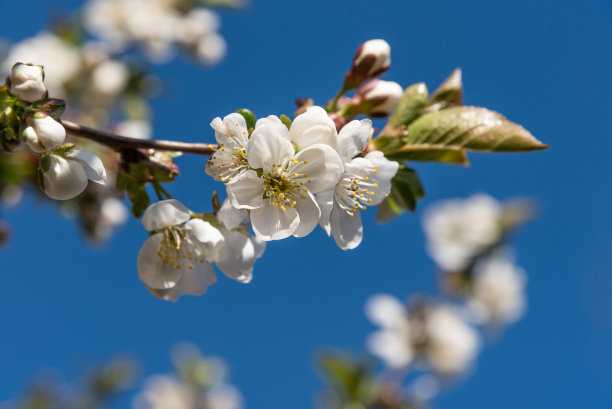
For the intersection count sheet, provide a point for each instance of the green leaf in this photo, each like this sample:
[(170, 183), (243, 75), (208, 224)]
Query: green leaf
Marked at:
[(140, 199), (406, 191), (471, 128), (449, 93), (53, 107), (444, 154), (249, 117), (410, 106), (349, 378)]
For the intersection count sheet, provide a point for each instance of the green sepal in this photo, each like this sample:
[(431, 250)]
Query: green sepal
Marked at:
[(286, 121), (45, 163), (406, 191), (63, 149), (52, 107), (249, 117)]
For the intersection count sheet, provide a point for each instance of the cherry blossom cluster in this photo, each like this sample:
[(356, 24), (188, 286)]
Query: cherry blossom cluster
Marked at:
[(466, 238), (64, 171), (293, 177)]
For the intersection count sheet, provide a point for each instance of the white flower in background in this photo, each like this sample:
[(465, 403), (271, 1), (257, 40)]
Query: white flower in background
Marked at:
[(393, 342), (27, 82), (223, 396), (61, 61), (113, 213), (229, 160), (451, 344), (210, 49), (240, 250), (65, 177), (110, 77), (365, 182), (378, 53), (497, 290), (135, 128), (175, 260), (379, 98), (165, 392), (43, 133), (457, 230), (198, 23), (436, 335), (280, 197)]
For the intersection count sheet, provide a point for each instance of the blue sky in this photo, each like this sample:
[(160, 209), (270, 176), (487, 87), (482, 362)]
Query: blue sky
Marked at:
[(545, 65)]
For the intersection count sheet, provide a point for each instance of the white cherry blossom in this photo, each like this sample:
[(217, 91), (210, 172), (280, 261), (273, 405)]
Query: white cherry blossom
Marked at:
[(229, 160), (366, 181), (433, 334), (27, 82), (65, 177), (497, 294), (176, 259), (457, 230), (43, 133), (379, 50), (279, 193), (165, 392)]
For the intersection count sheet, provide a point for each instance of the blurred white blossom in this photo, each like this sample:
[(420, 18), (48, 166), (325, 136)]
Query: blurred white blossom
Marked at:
[(457, 229), (498, 290), (434, 334), (165, 392)]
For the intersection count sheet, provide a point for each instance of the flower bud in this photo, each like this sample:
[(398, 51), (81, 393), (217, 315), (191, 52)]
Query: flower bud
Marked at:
[(26, 82), (43, 133), (378, 98), (371, 60)]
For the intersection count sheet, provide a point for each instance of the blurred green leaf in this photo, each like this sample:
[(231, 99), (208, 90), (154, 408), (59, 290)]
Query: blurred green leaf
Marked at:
[(351, 379), (410, 106), (406, 191), (249, 117)]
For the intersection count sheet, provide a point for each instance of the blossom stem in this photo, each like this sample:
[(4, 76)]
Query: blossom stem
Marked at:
[(160, 191), (117, 142)]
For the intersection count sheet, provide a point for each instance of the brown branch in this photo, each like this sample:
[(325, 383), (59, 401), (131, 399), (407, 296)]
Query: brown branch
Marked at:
[(118, 142)]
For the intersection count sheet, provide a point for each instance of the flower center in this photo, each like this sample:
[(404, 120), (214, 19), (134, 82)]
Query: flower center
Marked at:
[(283, 187), (354, 192), (176, 248)]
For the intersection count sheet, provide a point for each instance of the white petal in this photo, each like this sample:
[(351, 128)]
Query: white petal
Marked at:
[(151, 268), (321, 165), (271, 223), (238, 256), (309, 213), (394, 350), (165, 213), (269, 120), (51, 133), (193, 281), (313, 127), (94, 168), (231, 217), (269, 145), (325, 200), (353, 138), (210, 237), (346, 229), (231, 131), (385, 310), (385, 171), (65, 179), (246, 191), (32, 140)]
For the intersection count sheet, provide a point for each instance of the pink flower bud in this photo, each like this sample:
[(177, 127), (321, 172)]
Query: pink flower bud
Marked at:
[(371, 60), (378, 98)]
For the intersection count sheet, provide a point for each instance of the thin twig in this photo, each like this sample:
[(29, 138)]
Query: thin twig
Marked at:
[(118, 142)]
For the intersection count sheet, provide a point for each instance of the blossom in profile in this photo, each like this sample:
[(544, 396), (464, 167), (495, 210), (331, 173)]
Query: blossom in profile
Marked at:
[(66, 175), (43, 133), (176, 259), (457, 230), (280, 185), (365, 181), (26, 82), (433, 334), (241, 249), (372, 59), (497, 294), (378, 98), (229, 160)]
